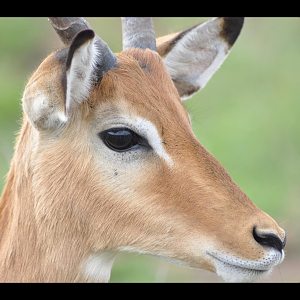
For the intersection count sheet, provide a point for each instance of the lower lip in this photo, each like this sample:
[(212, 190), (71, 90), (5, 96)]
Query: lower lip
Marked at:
[(242, 268)]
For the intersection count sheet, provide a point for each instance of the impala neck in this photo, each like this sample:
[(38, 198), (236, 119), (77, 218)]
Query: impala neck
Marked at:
[(33, 247)]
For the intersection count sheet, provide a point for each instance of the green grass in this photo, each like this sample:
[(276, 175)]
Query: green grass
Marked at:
[(247, 116)]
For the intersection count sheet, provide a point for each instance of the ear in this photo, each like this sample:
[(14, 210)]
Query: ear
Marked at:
[(80, 66), (63, 81), (192, 56)]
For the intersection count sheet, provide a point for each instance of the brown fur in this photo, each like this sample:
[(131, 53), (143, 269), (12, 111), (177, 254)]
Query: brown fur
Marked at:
[(62, 200)]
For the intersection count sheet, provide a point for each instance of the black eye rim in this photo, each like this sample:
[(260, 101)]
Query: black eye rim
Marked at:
[(130, 139)]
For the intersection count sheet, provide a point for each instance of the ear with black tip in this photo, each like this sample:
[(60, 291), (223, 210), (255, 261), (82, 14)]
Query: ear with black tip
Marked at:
[(61, 83), (192, 56)]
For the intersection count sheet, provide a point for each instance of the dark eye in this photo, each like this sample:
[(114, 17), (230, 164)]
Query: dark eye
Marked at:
[(121, 139)]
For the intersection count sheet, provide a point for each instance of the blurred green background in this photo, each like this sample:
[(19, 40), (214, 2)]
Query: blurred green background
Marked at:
[(247, 116)]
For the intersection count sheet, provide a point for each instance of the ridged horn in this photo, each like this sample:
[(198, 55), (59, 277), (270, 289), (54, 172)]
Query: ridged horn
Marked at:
[(138, 32), (68, 27)]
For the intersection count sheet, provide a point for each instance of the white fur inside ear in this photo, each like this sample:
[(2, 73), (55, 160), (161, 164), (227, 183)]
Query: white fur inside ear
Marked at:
[(42, 113), (197, 56), (79, 75)]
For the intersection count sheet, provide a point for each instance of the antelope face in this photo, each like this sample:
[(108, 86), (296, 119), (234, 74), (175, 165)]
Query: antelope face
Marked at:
[(143, 182)]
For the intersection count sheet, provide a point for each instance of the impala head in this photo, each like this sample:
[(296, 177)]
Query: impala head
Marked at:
[(115, 151)]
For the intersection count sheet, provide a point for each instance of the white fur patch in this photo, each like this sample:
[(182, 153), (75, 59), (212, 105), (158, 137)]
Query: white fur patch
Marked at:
[(149, 131), (198, 55), (233, 269), (41, 112), (79, 75), (98, 266)]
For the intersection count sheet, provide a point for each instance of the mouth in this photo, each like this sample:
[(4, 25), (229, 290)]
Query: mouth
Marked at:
[(233, 269)]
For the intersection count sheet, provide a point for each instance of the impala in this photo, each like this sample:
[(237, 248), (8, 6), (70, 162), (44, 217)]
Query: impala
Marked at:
[(106, 161)]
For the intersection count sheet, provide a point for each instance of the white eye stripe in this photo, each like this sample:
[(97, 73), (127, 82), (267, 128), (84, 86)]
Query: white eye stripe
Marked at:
[(148, 130)]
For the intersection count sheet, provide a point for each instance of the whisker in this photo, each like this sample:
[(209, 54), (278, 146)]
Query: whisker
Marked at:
[(280, 273)]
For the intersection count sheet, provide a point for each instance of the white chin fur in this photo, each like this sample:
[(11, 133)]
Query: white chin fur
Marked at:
[(233, 269), (231, 273)]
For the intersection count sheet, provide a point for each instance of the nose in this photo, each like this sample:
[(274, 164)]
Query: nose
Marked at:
[(269, 239)]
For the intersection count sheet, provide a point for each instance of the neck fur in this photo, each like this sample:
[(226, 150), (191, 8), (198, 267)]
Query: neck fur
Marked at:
[(39, 243)]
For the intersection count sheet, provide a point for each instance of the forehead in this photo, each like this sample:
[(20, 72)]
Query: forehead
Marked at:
[(141, 84)]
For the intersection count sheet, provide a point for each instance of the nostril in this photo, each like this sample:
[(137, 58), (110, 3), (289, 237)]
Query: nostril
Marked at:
[(269, 239)]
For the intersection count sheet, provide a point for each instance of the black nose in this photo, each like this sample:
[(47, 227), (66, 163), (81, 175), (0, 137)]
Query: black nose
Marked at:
[(269, 239)]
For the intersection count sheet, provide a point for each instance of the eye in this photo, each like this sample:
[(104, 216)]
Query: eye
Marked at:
[(122, 139)]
